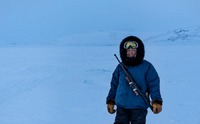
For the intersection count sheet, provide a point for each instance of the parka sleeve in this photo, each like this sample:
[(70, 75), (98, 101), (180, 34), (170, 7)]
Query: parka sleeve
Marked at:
[(153, 83), (113, 86)]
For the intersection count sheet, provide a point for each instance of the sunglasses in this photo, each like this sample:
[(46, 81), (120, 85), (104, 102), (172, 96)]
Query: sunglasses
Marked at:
[(130, 44)]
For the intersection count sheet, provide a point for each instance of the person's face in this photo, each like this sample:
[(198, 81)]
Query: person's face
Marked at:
[(131, 52)]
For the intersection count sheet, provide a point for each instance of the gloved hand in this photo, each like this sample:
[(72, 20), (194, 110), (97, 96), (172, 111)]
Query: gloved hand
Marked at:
[(110, 106), (157, 106)]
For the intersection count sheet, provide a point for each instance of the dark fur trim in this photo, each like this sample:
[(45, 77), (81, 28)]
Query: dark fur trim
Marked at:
[(111, 102), (157, 101), (140, 52)]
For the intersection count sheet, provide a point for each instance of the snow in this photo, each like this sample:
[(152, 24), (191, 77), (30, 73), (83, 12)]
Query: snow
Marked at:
[(57, 58), (68, 83)]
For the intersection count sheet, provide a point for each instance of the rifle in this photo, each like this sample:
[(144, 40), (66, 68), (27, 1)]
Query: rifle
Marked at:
[(134, 85)]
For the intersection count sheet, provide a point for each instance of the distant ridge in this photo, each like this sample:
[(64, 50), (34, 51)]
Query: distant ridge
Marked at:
[(108, 38), (190, 35)]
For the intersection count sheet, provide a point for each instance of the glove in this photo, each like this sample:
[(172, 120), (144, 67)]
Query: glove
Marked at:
[(157, 106), (110, 106)]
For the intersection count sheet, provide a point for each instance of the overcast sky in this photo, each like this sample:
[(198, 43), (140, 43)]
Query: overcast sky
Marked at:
[(47, 20)]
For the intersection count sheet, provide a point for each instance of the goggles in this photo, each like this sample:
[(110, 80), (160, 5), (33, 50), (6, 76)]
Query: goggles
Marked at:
[(130, 44)]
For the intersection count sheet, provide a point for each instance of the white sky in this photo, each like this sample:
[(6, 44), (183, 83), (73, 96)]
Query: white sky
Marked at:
[(47, 20)]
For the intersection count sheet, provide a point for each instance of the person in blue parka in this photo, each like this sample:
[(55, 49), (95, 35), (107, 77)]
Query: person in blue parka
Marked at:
[(131, 108)]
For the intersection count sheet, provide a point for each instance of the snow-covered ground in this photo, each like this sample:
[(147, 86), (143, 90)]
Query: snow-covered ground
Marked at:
[(68, 84), (57, 58)]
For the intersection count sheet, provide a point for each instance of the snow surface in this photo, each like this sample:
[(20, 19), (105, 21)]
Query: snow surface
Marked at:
[(57, 58), (62, 83)]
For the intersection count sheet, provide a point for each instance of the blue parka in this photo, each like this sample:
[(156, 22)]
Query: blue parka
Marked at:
[(143, 73), (147, 79)]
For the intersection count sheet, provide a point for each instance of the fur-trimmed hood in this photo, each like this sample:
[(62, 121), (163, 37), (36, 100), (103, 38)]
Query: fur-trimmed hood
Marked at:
[(140, 52)]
